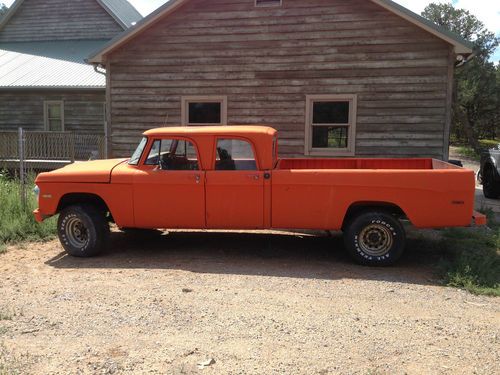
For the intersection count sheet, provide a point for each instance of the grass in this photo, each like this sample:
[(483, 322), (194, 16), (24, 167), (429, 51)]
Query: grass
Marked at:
[(13, 365), (5, 315), (17, 223), (472, 259), (485, 144)]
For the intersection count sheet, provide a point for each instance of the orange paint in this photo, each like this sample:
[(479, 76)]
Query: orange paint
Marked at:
[(286, 193)]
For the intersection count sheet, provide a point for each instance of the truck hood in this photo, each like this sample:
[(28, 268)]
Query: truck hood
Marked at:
[(97, 171)]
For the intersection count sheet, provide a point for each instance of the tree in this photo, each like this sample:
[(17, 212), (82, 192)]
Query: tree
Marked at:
[(3, 9), (476, 84)]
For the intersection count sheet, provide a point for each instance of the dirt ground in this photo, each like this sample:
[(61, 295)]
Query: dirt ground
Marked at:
[(238, 303)]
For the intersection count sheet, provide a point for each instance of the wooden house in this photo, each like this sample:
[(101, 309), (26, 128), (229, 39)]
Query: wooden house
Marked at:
[(362, 78), (45, 83)]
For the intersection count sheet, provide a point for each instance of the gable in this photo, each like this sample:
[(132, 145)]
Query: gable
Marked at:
[(37, 20), (460, 45)]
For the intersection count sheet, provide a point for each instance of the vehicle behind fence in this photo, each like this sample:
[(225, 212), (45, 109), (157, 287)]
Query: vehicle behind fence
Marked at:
[(29, 152)]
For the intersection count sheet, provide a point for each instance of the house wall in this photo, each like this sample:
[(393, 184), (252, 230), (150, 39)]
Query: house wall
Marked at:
[(37, 20), (83, 110), (266, 60)]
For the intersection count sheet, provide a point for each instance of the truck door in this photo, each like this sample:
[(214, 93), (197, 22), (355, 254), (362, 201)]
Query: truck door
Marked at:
[(235, 187), (169, 189)]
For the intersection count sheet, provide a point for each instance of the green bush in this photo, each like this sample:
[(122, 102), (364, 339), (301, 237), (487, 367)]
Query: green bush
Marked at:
[(485, 144), (17, 223)]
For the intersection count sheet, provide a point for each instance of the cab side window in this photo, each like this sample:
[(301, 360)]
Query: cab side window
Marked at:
[(173, 155), (234, 155)]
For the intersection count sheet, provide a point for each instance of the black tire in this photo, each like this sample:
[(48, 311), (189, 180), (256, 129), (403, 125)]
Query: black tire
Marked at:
[(83, 230), (374, 238), (491, 187)]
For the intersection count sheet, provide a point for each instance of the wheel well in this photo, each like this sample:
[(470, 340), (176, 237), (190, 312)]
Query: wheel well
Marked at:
[(82, 199), (359, 207)]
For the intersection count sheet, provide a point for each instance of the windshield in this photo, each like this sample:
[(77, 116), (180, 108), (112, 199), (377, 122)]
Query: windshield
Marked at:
[(134, 160)]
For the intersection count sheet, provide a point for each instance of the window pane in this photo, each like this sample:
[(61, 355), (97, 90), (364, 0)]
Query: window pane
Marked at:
[(54, 111), (55, 125), (154, 155), (134, 160), (205, 113), (330, 137), (234, 155), (173, 155), (330, 112)]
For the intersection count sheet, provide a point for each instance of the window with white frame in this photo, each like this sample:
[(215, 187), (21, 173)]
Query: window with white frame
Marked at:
[(204, 110), (54, 115), (330, 125)]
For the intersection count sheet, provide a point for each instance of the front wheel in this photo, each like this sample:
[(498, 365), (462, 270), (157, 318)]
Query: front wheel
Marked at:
[(374, 238), (82, 230)]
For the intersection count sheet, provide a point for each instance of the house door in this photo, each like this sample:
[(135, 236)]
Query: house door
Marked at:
[(235, 188), (169, 189)]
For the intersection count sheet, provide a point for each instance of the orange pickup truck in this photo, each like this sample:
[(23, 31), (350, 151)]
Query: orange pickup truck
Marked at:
[(230, 177)]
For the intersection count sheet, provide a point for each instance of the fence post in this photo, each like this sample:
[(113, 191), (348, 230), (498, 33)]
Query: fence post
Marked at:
[(22, 176)]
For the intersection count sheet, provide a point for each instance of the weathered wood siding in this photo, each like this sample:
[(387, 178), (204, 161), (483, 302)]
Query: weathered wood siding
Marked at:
[(37, 20), (83, 111), (266, 60)]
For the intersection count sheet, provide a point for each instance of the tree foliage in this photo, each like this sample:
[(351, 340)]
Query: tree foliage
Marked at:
[(476, 99), (3, 9)]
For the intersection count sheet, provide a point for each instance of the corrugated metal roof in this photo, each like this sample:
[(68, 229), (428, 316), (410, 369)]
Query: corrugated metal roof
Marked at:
[(58, 64), (122, 11)]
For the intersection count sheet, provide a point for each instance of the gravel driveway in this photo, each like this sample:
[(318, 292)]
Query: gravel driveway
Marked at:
[(238, 303)]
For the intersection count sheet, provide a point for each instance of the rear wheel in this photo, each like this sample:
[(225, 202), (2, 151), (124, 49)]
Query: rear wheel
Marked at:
[(491, 188), (374, 238), (82, 230)]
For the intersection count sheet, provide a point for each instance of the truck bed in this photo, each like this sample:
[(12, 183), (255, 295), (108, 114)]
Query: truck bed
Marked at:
[(395, 164), (310, 193)]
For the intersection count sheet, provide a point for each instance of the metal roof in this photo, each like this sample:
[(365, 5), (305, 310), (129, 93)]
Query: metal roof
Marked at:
[(57, 64), (122, 11), (461, 45)]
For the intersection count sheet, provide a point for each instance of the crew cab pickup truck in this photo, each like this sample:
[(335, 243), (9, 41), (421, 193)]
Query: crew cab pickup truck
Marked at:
[(230, 177)]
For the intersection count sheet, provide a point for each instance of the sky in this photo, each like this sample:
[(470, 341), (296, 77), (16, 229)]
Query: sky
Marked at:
[(488, 11)]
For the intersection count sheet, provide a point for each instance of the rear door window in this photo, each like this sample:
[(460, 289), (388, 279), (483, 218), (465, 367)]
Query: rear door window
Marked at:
[(235, 155)]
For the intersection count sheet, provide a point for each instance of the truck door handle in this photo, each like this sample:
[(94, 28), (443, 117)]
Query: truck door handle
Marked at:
[(253, 176), (197, 178)]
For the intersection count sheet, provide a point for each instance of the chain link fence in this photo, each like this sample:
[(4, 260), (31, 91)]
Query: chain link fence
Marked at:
[(26, 153)]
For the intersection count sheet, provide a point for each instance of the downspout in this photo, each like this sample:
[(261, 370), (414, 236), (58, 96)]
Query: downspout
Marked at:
[(99, 68), (461, 60)]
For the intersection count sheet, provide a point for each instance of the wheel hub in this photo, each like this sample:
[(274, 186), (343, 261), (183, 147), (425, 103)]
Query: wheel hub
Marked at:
[(375, 240), (76, 232)]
